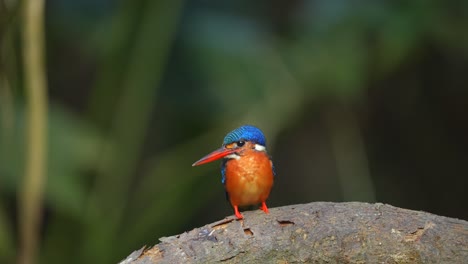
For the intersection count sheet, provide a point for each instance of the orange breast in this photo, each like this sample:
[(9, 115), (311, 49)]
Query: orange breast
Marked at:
[(249, 179)]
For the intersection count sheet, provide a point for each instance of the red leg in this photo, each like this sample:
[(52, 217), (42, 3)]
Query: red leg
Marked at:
[(236, 212), (264, 208)]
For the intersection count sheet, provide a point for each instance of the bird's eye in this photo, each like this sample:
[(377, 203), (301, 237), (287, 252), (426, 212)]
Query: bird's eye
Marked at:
[(240, 143)]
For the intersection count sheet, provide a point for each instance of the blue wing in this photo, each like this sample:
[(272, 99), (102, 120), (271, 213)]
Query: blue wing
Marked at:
[(223, 171), (223, 175), (273, 167)]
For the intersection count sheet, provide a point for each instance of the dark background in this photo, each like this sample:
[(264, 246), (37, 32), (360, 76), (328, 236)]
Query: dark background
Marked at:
[(359, 101)]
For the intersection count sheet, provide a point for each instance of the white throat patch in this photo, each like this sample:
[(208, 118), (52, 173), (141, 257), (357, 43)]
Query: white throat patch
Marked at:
[(233, 156), (260, 147)]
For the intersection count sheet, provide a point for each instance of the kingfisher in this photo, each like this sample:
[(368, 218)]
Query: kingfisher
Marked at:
[(246, 168)]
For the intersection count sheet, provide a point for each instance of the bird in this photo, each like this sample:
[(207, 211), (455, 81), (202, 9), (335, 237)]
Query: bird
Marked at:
[(247, 170)]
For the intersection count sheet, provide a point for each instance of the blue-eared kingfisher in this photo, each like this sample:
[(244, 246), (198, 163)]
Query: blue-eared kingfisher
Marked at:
[(246, 169)]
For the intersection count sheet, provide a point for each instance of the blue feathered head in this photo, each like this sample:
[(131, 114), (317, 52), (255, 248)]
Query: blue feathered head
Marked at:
[(246, 133)]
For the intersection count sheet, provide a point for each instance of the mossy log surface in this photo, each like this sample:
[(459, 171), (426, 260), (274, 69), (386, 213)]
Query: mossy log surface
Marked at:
[(320, 232)]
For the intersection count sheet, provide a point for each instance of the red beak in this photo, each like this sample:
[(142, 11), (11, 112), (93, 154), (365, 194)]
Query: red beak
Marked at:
[(215, 155)]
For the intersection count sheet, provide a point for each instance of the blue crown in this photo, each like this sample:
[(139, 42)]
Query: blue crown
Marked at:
[(247, 133)]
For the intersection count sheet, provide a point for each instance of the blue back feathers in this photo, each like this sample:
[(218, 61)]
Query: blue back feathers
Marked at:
[(247, 133)]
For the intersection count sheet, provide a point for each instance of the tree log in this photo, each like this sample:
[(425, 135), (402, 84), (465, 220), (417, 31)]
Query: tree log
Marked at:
[(320, 232)]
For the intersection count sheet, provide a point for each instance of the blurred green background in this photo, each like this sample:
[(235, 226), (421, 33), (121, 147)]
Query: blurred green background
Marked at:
[(359, 100)]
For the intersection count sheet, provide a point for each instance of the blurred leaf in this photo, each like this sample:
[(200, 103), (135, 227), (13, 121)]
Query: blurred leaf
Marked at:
[(397, 37), (72, 150), (143, 65), (7, 250), (228, 59)]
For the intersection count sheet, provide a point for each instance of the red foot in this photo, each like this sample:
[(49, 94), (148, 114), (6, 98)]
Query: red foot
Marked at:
[(264, 208), (236, 212)]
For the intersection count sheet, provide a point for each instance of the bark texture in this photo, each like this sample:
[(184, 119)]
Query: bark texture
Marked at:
[(318, 232)]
